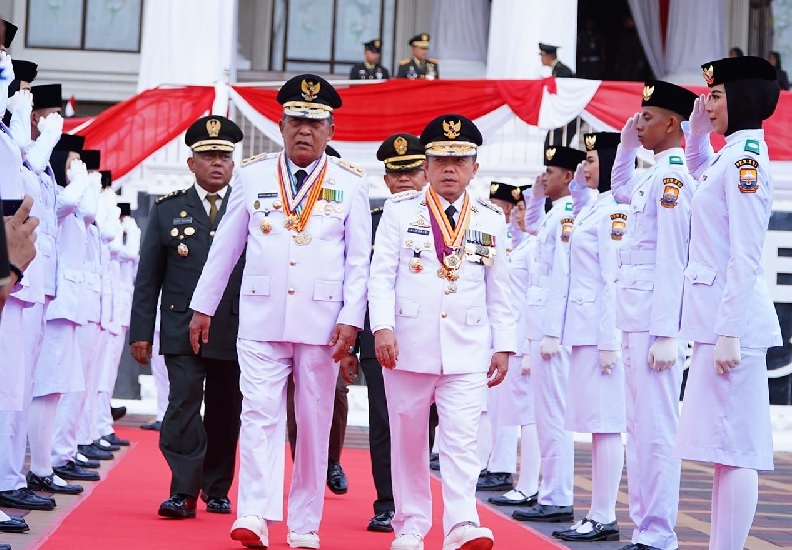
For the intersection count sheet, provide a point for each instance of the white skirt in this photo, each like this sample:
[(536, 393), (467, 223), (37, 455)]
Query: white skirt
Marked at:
[(515, 404), (725, 418), (59, 368), (595, 402)]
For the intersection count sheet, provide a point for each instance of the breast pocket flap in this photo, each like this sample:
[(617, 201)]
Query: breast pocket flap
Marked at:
[(476, 316), (407, 308), (255, 285), (328, 291)]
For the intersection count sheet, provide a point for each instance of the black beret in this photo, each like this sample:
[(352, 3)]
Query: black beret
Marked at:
[(373, 45), (70, 142), (331, 151), (420, 40), (658, 93), (126, 208), (563, 157), (212, 133), (308, 96), (107, 178), (738, 68), (401, 152), (601, 140), (92, 158), (451, 136), (506, 192), (25, 71), (547, 48), (47, 96), (10, 33)]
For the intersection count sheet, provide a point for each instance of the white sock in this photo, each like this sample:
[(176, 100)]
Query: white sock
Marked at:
[(4, 516), (40, 430), (735, 493), (606, 471), (530, 460)]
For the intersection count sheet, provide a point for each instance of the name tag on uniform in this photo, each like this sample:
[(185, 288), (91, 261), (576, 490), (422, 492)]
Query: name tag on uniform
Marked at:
[(182, 221), (267, 195), (417, 231)]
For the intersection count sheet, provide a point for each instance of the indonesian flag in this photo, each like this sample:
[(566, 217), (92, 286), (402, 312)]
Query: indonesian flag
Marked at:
[(71, 107)]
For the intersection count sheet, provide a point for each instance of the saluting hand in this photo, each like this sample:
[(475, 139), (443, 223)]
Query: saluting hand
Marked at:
[(199, 330), (386, 348), (499, 366), (343, 338), (699, 120), (629, 133)]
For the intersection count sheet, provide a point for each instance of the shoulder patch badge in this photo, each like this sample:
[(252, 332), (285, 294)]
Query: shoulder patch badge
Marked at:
[(618, 225), (404, 195), (671, 187), (675, 159), (171, 195), (749, 180), (752, 146), (491, 206), (348, 166), (566, 228)]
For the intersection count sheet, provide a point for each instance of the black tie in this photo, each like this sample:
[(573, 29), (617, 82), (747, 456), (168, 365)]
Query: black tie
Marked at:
[(449, 212), (300, 176)]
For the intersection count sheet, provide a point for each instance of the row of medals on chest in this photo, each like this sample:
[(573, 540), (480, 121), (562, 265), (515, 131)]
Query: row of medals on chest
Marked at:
[(291, 222), (189, 231), (452, 263)]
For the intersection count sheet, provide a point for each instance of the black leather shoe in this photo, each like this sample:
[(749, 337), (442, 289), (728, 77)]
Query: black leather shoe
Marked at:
[(154, 426), (104, 445), (514, 498), (639, 546), (178, 507), (92, 452), (86, 463), (381, 523), (495, 481), (218, 505), (47, 484), (545, 512), (25, 499), (5, 546), (336, 478), (572, 529), (72, 471), (118, 412), (113, 439), (14, 525), (600, 531)]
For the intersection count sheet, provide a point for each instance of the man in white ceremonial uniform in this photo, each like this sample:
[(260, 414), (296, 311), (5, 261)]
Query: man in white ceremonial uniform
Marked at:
[(547, 359), (439, 305), (649, 305), (304, 218)]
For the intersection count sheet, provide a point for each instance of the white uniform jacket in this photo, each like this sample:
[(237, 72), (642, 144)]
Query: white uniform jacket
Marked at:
[(585, 299), (725, 291), (550, 255), (653, 253), (291, 293), (439, 333)]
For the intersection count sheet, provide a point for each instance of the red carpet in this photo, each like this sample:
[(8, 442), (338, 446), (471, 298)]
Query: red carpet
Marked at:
[(121, 512)]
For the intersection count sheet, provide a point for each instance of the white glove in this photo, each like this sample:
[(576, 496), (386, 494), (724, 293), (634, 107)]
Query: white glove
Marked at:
[(608, 360), (663, 353), (76, 169), (6, 69), (538, 189), (20, 105), (549, 346), (525, 365), (51, 126), (699, 122), (23, 99), (577, 187), (629, 133), (727, 354)]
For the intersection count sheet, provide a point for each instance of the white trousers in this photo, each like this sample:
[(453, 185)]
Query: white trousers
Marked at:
[(458, 398), (12, 355), (653, 471), (160, 373), (549, 379), (109, 359), (264, 369)]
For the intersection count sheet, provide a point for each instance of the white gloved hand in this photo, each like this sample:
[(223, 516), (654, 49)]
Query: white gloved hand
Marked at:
[(663, 353), (549, 346), (51, 126), (699, 122), (525, 365), (577, 187), (538, 189), (608, 360), (21, 101), (95, 184), (629, 133), (6, 69), (727, 354), (76, 169), (20, 105)]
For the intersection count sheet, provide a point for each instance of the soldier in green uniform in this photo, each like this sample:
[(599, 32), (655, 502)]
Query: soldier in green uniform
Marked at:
[(370, 68), (420, 65), (181, 228)]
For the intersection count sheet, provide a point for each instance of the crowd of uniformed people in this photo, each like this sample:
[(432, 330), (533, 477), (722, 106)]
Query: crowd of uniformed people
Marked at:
[(564, 306)]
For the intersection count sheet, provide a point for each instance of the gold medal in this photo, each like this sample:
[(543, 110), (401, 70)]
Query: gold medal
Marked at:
[(182, 214), (302, 239), (452, 261), (182, 250), (452, 275), (277, 205), (442, 273), (416, 265), (189, 231), (174, 232), (291, 222), (256, 205), (266, 226), (452, 288)]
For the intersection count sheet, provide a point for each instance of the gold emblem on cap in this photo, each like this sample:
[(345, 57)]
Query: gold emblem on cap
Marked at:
[(451, 129), (709, 75), (310, 91), (647, 92), (400, 144), (213, 127), (516, 193), (424, 37), (591, 141), (550, 153), (377, 43), (494, 188)]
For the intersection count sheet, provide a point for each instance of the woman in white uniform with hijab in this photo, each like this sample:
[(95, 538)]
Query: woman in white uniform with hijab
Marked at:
[(726, 307)]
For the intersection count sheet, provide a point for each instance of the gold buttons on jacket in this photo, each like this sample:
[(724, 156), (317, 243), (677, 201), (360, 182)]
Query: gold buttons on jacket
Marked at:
[(444, 315), (291, 291), (292, 262)]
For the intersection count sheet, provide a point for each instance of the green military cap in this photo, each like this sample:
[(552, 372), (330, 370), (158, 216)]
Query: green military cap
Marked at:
[(213, 133), (401, 152)]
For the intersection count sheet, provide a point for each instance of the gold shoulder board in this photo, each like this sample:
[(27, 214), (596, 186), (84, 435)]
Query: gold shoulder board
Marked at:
[(255, 158), (404, 62), (404, 195), (491, 206), (348, 166), (171, 195)]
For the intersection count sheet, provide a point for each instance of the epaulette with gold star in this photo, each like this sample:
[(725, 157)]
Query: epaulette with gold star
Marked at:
[(256, 158), (491, 206), (404, 195), (404, 61), (348, 166), (435, 61), (171, 195)]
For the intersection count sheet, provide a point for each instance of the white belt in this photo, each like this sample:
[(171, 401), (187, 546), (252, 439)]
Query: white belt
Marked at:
[(636, 257)]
